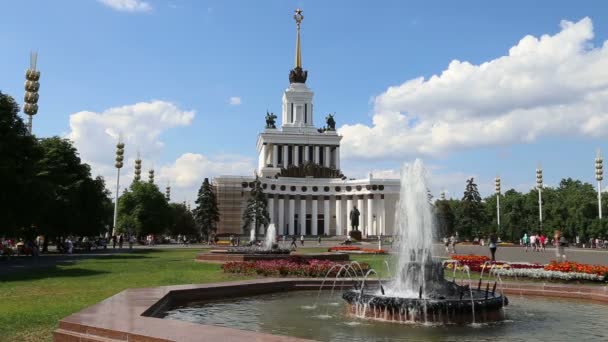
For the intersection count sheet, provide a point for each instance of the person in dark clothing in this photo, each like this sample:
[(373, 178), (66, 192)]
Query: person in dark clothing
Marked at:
[(294, 243), (113, 241), (493, 245), (120, 241)]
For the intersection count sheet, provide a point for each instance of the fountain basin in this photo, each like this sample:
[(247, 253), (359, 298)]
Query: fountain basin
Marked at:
[(415, 310)]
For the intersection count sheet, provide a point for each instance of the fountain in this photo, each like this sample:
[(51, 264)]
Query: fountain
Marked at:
[(419, 292), (271, 236)]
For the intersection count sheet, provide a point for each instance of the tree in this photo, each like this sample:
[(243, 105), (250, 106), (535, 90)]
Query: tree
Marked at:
[(182, 221), (206, 213), (472, 218), (256, 211), (444, 217), (73, 202), (19, 153), (143, 210)]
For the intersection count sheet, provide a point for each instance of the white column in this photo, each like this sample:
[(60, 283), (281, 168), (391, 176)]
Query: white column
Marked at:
[(271, 209), (326, 216), (306, 149), (349, 207), (315, 215), (302, 215), (370, 214), (327, 156), (285, 155), (262, 158), (292, 215), (382, 218), (337, 156), (281, 227), (275, 155), (338, 215), (362, 215), (296, 155), (316, 155)]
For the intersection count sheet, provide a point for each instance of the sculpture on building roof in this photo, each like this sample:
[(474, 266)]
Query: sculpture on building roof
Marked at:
[(310, 169), (331, 123), (270, 120)]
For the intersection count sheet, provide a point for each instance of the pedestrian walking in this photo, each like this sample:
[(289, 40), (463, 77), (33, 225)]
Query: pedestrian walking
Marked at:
[(120, 240), (302, 240), (493, 245), (525, 240), (319, 240), (114, 241), (294, 245)]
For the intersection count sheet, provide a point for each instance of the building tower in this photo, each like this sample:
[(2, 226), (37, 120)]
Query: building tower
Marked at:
[(32, 76)]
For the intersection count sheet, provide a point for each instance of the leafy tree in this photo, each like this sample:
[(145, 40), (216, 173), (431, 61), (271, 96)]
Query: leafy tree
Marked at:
[(256, 212), (19, 153), (74, 203), (444, 216), (182, 221), (472, 218), (206, 213), (143, 210)]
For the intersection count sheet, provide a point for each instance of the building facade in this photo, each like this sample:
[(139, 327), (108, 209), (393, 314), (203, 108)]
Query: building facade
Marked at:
[(299, 167)]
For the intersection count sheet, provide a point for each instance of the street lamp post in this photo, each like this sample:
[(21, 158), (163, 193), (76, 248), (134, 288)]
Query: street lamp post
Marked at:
[(599, 176), (497, 189), (32, 76), (539, 186), (120, 151), (168, 192)]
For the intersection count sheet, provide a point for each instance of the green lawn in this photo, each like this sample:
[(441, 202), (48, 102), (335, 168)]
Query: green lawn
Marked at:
[(32, 302)]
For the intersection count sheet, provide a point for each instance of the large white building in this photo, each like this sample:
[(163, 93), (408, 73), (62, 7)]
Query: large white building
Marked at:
[(299, 167)]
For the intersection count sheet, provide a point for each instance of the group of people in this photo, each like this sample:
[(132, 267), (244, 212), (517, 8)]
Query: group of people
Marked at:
[(450, 244), (538, 242)]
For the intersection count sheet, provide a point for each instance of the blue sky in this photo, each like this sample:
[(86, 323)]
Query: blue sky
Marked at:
[(196, 55)]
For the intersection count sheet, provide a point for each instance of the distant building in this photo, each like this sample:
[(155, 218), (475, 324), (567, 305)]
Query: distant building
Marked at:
[(299, 167)]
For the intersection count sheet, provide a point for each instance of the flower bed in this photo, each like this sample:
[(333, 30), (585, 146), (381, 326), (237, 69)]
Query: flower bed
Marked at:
[(553, 271), (343, 249), (293, 267), (356, 250)]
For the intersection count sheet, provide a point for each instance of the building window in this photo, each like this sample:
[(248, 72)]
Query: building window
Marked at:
[(305, 112), (292, 112)]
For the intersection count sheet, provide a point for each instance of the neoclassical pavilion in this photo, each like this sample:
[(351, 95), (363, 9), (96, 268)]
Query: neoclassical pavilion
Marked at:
[(299, 167)]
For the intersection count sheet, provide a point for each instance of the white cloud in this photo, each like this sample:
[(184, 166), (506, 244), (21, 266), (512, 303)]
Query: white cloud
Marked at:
[(235, 101), (141, 125), (548, 86), (188, 171), (127, 5)]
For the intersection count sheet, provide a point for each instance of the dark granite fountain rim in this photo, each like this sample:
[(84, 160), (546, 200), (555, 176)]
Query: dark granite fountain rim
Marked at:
[(133, 313)]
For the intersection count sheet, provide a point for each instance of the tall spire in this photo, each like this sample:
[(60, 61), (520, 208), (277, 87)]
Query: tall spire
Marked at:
[(297, 74), (298, 18)]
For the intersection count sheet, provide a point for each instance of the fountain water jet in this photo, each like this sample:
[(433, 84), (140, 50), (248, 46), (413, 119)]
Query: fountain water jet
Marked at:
[(419, 291)]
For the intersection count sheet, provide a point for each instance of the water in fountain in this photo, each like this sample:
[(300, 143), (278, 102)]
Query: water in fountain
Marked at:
[(414, 229), (252, 235), (271, 235)]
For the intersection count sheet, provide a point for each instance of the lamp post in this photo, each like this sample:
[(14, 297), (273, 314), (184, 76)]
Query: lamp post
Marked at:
[(497, 189), (120, 151), (137, 176), (31, 91), (151, 176), (442, 195), (599, 176), (539, 187), (168, 192)]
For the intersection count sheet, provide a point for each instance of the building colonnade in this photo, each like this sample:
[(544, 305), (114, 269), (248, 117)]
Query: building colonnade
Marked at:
[(295, 214), (282, 155)]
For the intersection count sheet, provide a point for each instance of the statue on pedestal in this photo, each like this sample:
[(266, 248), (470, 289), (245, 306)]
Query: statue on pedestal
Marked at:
[(270, 120), (331, 123), (354, 218)]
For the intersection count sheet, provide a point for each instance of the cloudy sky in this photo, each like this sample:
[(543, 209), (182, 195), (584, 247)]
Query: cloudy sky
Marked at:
[(473, 88)]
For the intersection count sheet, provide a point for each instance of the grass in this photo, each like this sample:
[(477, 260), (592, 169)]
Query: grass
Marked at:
[(33, 302)]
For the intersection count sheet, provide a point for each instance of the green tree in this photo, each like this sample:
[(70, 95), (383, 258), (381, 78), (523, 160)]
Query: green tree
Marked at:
[(19, 154), (182, 221), (143, 210), (206, 213), (444, 216), (73, 202), (256, 211), (472, 218)]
